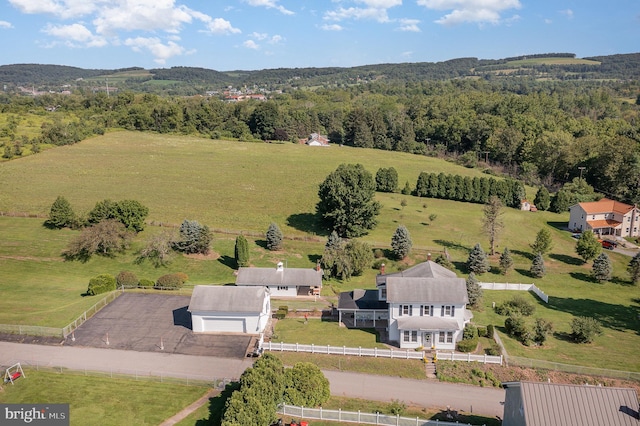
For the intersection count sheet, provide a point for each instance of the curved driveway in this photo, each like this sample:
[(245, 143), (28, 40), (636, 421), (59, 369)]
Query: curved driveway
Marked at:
[(424, 393)]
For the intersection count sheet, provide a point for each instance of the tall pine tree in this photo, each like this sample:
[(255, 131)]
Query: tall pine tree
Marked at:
[(242, 251), (401, 242), (474, 291), (602, 268), (477, 261), (506, 261), (537, 267)]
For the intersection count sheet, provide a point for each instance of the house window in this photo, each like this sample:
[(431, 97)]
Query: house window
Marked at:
[(410, 336), (427, 311), (447, 311), (593, 217), (441, 336), (283, 288), (383, 293), (406, 310), (449, 336)]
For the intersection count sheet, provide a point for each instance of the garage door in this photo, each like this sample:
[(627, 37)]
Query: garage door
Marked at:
[(224, 325)]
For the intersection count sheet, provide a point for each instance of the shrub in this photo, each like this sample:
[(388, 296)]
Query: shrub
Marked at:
[(482, 331), (494, 350), (378, 253), (585, 329), (103, 283), (517, 305), (467, 345), (127, 279), (284, 308), (470, 332), (490, 331), (144, 282), (516, 327), (171, 281), (280, 314), (397, 407)]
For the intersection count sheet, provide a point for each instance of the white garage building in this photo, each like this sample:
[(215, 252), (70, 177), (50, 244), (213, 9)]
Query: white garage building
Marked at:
[(229, 309)]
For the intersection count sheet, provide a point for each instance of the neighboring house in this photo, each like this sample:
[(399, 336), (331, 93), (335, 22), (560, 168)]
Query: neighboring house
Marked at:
[(550, 404), (527, 206), (315, 139), (229, 309), (605, 217), (423, 306), (281, 281)]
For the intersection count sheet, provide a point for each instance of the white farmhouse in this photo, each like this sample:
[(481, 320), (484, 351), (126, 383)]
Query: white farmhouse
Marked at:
[(423, 306), (229, 309), (281, 281)]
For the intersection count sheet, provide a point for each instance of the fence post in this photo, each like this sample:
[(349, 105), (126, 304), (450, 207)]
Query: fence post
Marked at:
[(344, 350), (312, 348), (359, 350), (375, 352), (328, 350), (391, 354), (321, 412), (339, 414)]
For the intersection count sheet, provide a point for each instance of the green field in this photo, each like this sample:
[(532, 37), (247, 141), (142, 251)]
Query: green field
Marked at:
[(103, 401), (238, 187)]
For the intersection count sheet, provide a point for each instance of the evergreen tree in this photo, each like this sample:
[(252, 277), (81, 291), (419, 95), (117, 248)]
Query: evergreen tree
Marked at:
[(588, 247), (537, 267), (274, 237), (542, 200), (602, 269), (474, 291), (194, 238), (506, 261), (347, 202), (422, 185), (477, 261), (543, 242), (407, 189), (242, 251), (103, 210), (61, 214), (541, 330), (401, 242), (634, 267), (387, 180)]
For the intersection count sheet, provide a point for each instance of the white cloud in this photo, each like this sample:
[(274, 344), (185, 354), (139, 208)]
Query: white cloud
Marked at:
[(5, 24), (160, 51), (331, 27), (220, 26), (410, 25), (270, 4), (341, 14), (259, 36), (276, 39), (61, 8), (75, 35), (568, 13), (407, 54), (250, 44), (145, 15), (470, 11), (381, 4)]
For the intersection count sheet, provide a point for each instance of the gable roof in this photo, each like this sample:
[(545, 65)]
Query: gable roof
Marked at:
[(292, 277), (410, 289), (428, 269), (214, 298), (553, 404), (605, 205), (361, 299)]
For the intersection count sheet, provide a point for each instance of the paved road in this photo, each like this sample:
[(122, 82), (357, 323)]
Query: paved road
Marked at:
[(482, 401)]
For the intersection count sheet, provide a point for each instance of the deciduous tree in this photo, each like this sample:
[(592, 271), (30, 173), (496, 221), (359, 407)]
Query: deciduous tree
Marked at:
[(634, 264), (588, 247), (105, 238), (347, 202), (543, 242)]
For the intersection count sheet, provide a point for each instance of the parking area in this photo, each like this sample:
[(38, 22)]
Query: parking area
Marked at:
[(155, 323)]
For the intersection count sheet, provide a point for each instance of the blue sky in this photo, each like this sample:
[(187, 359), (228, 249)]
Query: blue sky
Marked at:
[(259, 34)]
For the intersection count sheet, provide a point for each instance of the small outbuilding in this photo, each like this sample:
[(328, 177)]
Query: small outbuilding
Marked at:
[(281, 281), (551, 404), (229, 309)]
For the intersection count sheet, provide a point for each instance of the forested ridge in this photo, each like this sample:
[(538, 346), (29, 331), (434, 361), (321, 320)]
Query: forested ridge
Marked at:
[(541, 131)]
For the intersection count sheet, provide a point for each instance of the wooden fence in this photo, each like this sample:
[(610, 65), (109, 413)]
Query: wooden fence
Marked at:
[(453, 356), (359, 417)]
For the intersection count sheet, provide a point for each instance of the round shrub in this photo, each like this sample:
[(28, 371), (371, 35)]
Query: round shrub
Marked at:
[(171, 281), (103, 283), (469, 345), (127, 279), (144, 282), (490, 331)]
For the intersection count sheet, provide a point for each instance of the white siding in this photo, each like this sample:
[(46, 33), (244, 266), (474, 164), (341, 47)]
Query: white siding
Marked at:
[(283, 291), (220, 322)]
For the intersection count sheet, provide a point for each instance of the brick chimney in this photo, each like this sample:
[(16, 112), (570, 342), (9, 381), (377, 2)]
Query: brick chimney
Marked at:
[(382, 269), (428, 256)]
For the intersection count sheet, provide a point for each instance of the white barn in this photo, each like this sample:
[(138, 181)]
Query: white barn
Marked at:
[(229, 309), (281, 281)]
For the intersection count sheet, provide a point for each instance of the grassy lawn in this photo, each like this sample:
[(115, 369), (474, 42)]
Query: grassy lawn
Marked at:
[(320, 332), (103, 401), (216, 183)]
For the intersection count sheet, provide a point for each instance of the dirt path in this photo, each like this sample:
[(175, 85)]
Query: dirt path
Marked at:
[(190, 409)]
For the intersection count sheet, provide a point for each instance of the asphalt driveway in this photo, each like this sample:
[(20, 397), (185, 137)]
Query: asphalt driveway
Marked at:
[(154, 323)]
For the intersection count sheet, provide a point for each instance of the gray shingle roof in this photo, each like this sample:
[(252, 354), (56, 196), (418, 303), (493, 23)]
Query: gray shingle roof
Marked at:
[(402, 289), (292, 277), (213, 298), (553, 404), (428, 269), (361, 299)]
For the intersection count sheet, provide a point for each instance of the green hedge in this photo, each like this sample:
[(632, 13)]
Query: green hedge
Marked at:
[(144, 282), (468, 345), (171, 281), (103, 283)]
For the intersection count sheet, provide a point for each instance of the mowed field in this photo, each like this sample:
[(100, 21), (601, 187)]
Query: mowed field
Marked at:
[(238, 187)]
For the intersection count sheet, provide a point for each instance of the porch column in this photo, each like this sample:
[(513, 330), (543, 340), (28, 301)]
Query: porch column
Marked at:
[(339, 317)]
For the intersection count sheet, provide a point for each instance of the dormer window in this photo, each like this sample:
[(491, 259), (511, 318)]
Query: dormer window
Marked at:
[(406, 310)]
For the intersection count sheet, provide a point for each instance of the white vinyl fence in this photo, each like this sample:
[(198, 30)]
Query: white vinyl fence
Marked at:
[(358, 417), (519, 287), (343, 350), (485, 359)]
